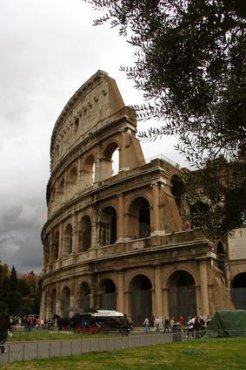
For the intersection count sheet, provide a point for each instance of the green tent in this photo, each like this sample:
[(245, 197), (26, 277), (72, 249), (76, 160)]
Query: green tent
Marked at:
[(227, 324)]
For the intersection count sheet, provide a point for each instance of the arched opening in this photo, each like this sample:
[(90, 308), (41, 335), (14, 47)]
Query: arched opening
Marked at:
[(68, 240), (53, 198), (115, 162), (46, 251), (108, 295), (53, 303), (238, 291), (221, 256), (140, 299), (72, 180), (65, 302), (61, 190), (89, 171), (139, 218), (110, 161), (84, 297), (182, 295), (85, 233), (108, 226), (56, 246)]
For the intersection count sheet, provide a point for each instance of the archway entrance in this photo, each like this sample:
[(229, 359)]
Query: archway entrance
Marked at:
[(141, 299), (108, 226), (238, 291), (65, 302), (182, 295), (108, 295), (84, 297), (139, 218), (85, 233)]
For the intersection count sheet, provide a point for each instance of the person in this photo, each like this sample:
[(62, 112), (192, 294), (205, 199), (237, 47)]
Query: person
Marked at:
[(146, 325), (166, 325), (157, 324), (190, 327), (5, 326), (171, 323), (124, 323)]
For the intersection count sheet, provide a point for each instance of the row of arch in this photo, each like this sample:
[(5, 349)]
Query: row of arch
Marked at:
[(106, 229), (85, 172), (181, 296)]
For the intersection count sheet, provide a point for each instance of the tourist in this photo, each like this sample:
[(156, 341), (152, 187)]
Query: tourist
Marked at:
[(5, 327), (124, 324), (146, 325)]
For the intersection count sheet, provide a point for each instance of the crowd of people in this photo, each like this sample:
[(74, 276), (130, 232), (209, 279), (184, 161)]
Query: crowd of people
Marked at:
[(193, 326)]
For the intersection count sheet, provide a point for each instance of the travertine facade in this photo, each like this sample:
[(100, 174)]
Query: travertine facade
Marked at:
[(120, 240)]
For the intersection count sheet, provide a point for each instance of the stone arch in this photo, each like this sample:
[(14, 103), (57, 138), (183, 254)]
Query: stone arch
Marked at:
[(109, 162), (89, 171), (139, 218), (181, 294), (46, 250), (84, 296), (68, 240), (72, 180), (61, 190), (65, 302), (108, 295), (53, 302), (220, 250), (53, 198), (85, 233), (56, 246), (238, 291), (108, 226), (140, 289)]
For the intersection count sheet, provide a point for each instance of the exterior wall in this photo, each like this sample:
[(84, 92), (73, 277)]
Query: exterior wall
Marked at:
[(119, 239)]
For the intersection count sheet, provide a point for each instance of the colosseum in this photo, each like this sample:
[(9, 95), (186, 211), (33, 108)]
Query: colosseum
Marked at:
[(116, 236)]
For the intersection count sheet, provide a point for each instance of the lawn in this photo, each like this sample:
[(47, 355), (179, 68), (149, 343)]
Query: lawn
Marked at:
[(47, 335), (210, 354)]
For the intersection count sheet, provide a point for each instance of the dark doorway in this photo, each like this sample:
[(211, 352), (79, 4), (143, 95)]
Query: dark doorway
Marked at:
[(108, 295), (141, 299), (84, 297), (238, 291), (182, 295)]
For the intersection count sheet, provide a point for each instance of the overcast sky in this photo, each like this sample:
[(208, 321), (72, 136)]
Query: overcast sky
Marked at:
[(49, 48)]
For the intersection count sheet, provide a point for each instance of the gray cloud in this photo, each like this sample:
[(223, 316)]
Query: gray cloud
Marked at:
[(48, 49)]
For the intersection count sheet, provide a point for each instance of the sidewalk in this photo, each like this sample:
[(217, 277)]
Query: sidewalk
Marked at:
[(25, 351)]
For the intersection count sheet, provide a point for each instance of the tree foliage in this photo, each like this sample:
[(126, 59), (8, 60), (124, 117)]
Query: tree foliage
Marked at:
[(190, 62), (19, 294)]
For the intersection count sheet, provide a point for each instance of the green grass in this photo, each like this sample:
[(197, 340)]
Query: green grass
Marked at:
[(34, 335), (211, 354)]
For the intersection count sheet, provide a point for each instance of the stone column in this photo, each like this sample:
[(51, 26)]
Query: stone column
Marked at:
[(50, 252), (156, 213), (75, 234), (120, 226), (120, 296), (94, 236), (165, 302), (204, 287), (158, 297), (123, 152), (97, 167), (60, 252), (43, 306)]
